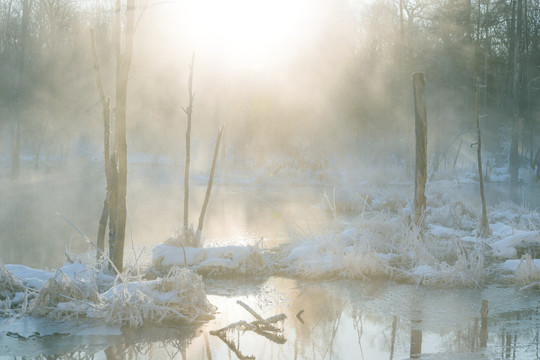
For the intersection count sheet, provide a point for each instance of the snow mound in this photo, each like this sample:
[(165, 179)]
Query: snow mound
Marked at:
[(212, 260), (179, 296), (337, 256), (9, 286), (73, 291), (388, 246), (526, 270), (507, 247), (62, 297)]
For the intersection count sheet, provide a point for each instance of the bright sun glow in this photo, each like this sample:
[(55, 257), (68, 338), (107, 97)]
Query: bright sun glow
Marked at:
[(250, 33)]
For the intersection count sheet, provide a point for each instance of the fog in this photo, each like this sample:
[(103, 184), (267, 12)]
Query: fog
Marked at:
[(319, 87)]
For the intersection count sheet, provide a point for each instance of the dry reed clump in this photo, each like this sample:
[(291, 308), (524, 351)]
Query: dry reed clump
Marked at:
[(389, 201), (62, 297), (526, 272), (188, 290), (179, 296), (458, 215), (254, 263), (389, 246), (9, 284), (233, 260), (185, 238), (362, 262), (407, 248), (344, 255), (467, 271), (516, 216)]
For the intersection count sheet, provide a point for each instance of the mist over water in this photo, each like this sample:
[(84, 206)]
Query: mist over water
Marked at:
[(317, 103)]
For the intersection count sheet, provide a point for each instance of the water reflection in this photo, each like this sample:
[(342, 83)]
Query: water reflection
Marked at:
[(154, 342), (340, 320)]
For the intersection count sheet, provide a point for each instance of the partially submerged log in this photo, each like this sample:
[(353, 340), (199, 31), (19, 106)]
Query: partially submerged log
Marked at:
[(261, 326)]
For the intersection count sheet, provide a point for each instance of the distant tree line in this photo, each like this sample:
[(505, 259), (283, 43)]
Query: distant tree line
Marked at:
[(354, 76), (458, 44)]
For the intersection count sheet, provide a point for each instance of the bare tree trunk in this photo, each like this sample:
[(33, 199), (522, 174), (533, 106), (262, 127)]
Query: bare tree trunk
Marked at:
[(16, 151), (421, 149), (457, 154), (483, 228), (124, 52), (106, 103), (16, 144), (416, 341), (210, 182), (484, 310), (393, 338), (41, 141), (113, 214), (188, 111), (516, 87)]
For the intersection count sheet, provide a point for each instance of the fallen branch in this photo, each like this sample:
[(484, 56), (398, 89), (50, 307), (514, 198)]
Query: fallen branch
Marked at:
[(260, 326), (249, 309), (242, 325), (265, 324), (234, 348), (278, 339)]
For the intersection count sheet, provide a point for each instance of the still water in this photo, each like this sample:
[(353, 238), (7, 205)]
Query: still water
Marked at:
[(34, 232), (340, 320)]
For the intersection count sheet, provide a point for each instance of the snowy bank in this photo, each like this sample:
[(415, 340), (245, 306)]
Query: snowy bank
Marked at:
[(242, 260), (508, 247), (74, 291)]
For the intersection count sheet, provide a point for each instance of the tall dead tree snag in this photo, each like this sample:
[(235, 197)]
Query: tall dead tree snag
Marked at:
[(421, 148), (188, 237), (483, 226), (114, 207), (26, 8), (518, 51), (189, 112), (106, 104), (125, 31)]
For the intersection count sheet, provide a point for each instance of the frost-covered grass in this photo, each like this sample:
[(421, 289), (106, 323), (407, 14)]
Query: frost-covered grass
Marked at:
[(74, 291), (211, 261), (388, 246), (178, 296), (382, 242)]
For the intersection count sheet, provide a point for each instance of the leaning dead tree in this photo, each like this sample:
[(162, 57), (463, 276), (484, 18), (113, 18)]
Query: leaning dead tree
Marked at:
[(483, 226), (421, 149), (210, 182)]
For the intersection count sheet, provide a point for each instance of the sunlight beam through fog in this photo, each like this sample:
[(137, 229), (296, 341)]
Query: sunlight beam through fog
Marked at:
[(251, 34)]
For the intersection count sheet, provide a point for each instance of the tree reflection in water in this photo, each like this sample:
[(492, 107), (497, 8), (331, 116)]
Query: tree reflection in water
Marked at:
[(154, 342), (338, 323)]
